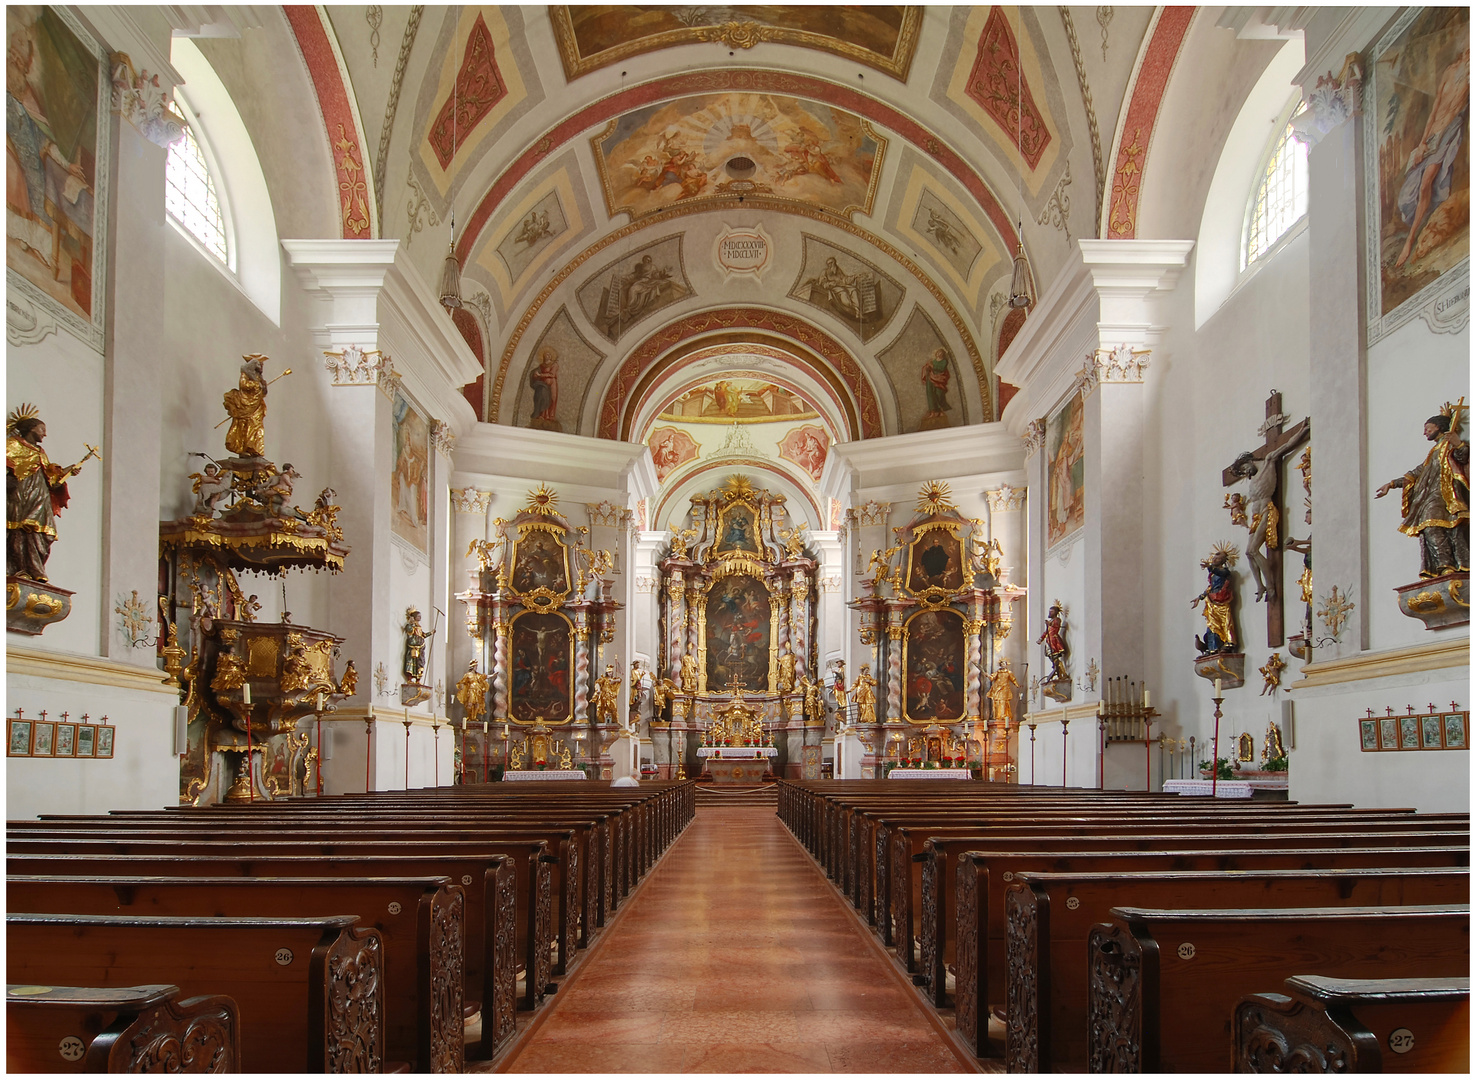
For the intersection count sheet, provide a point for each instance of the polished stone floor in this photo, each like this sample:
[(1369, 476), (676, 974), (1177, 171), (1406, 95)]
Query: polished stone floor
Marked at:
[(735, 956)]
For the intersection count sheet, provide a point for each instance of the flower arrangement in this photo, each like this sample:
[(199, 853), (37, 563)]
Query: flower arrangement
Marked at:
[(1223, 770)]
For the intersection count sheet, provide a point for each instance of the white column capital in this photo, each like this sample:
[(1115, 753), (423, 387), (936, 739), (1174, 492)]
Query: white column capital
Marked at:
[(1126, 274)]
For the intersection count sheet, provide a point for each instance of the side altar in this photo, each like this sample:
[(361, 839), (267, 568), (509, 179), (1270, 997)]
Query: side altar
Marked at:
[(738, 625)]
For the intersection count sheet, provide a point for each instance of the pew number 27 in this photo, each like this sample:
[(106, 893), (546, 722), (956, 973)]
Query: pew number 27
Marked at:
[(1401, 1040)]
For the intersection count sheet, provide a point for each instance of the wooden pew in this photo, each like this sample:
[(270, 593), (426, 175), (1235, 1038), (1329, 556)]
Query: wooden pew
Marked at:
[(982, 877), (1324, 1025), (1165, 983), (530, 858), (131, 1029), (307, 990), (420, 923), (1048, 917), (924, 897), (568, 865), (489, 887)]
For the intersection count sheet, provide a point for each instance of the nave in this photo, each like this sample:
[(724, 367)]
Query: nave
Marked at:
[(736, 955)]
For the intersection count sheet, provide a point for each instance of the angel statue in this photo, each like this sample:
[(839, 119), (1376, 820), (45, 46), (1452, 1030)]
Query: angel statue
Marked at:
[(471, 691), (1218, 597), (35, 493), (1437, 496)]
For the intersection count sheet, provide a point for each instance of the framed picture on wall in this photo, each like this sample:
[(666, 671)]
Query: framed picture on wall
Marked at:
[(57, 175), (1455, 731), (1416, 181), (1409, 733), (1430, 733), (86, 739), (66, 739), (1389, 734), (1368, 734), (104, 741), (43, 738), (20, 739)]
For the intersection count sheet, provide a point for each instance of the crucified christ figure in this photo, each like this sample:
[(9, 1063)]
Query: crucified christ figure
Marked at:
[(1262, 519)]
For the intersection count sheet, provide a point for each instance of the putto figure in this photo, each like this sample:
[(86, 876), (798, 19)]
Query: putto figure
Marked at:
[(1437, 497), (35, 493), (1218, 597), (1053, 637)]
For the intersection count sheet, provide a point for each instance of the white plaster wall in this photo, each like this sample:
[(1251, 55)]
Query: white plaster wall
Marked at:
[(1410, 374), (143, 773), (63, 378)]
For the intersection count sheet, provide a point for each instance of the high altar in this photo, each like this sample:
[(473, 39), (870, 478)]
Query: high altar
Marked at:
[(738, 621)]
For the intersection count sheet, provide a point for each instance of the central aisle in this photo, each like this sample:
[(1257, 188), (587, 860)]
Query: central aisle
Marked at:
[(736, 956)]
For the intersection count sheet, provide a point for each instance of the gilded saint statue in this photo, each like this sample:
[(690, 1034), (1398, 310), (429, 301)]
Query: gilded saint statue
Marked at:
[(863, 693), (471, 691), (606, 696), (786, 671), (415, 638), (838, 687), (246, 407), (35, 493), (638, 682), (1218, 597), (689, 673), (1436, 506), (349, 684), (1002, 689)]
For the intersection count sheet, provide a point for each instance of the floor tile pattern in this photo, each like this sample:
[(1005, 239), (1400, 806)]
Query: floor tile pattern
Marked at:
[(735, 957)]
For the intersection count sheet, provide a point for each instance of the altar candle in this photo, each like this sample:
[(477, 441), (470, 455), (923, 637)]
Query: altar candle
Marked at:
[(246, 693), (1145, 697), (1217, 688)]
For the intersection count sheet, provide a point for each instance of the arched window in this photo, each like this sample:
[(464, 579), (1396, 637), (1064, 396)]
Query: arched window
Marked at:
[(190, 196), (1280, 198)]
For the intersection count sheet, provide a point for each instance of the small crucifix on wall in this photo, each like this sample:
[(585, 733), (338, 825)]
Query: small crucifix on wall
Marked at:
[(1259, 510)]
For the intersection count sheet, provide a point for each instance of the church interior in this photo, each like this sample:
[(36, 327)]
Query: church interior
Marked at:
[(738, 539)]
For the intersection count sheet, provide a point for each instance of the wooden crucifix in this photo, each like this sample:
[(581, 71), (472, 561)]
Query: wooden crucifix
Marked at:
[(1261, 509)]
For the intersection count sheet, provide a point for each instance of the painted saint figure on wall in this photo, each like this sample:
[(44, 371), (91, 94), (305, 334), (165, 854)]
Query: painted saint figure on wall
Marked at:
[(1066, 473), (543, 380), (935, 376)]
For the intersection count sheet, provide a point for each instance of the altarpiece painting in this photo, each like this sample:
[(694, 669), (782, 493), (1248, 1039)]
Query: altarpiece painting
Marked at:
[(540, 562), (738, 631), (933, 667), (542, 682)]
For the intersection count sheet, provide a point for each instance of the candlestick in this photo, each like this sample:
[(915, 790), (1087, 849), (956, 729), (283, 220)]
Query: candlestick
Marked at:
[(1217, 688), (245, 693)]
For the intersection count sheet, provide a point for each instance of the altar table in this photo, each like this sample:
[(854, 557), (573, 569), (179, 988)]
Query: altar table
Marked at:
[(1229, 789), (929, 774)]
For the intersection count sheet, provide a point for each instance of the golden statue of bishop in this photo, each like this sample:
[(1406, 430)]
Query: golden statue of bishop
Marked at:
[(246, 408), (471, 691), (1002, 688), (863, 693)]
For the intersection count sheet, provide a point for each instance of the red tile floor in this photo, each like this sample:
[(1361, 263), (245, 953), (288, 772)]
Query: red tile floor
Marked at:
[(735, 956)]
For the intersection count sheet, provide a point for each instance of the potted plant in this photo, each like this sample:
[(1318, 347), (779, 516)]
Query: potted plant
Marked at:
[(976, 768), (1223, 770)]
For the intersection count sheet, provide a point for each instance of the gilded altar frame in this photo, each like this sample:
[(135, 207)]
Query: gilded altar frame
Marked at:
[(543, 596)]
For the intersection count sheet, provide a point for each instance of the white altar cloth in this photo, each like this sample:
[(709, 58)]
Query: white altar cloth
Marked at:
[(929, 774), (1224, 789), (544, 774), (738, 753)]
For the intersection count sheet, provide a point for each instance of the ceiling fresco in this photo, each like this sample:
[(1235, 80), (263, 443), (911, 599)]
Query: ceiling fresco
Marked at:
[(621, 294), (731, 145), (737, 400), (846, 286), (591, 209), (594, 35)]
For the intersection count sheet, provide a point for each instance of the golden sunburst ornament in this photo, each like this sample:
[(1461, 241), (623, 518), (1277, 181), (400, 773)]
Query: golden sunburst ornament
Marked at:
[(738, 485), (542, 500), (936, 497), (24, 411)]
